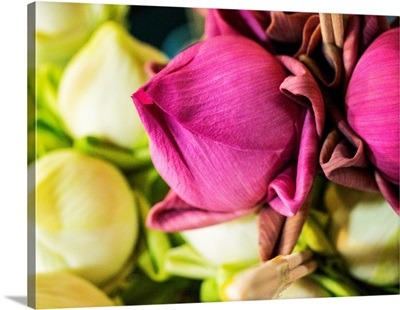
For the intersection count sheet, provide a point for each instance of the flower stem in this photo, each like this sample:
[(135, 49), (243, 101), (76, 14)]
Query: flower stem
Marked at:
[(326, 28), (338, 29), (332, 28)]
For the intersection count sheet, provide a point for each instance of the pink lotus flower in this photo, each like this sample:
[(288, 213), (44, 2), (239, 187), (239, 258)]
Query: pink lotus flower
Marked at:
[(231, 128), (372, 109)]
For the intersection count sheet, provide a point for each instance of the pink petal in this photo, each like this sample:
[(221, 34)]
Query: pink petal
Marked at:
[(218, 135), (208, 95), (360, 32), (236, 22), (372, 103), (343, 158), (303, 88), (288, 191), (293, 185), (173, 214), (269, 226), (389, 191)]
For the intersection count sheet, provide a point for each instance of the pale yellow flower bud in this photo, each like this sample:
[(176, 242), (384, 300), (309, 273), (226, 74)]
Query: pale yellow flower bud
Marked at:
[(86, 217), (66, 290), (96, 88), (62, 28)]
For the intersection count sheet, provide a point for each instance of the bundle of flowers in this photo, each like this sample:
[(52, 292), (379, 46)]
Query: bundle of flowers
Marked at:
[(259, 160)]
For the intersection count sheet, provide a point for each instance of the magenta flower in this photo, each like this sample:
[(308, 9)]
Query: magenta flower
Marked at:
[(229, 130), (372, 109)]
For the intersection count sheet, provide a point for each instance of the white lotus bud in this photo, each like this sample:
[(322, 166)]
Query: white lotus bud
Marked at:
[(95, 90), (366, 232), (86, 217), (62, 28), (229, 242), (67, 290)]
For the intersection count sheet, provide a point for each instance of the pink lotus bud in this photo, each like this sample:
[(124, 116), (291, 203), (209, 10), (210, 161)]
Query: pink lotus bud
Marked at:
[(227, 132), (372, 104)]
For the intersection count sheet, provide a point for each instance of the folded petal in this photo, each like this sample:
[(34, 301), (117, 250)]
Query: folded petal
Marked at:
[(269, 226), (174, 214), (236, 22), (343, 161), (288, 191), (287, 27), (302, 87), (389, 191)]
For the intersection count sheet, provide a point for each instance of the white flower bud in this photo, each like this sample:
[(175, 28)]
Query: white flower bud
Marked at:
[(365, 231), (86, 217), (62, 28), (230, 242), (66, 290), (95, 90)]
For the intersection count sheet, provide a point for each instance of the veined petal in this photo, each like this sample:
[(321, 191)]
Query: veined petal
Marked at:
[(289, 189), (360, 32), (224, 98), (292, 186), (218, 135), (372, 103), (207, 174)]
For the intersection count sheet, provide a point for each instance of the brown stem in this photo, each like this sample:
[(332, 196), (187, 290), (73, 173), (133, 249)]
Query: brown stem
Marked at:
[(338, 29), (326, 28), (332, 28)]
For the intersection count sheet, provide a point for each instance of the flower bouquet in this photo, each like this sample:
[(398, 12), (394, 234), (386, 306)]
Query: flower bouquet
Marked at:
[(231, 155)]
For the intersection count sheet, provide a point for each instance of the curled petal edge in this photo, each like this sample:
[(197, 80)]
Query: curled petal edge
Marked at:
[(289, 190), (173, 215)]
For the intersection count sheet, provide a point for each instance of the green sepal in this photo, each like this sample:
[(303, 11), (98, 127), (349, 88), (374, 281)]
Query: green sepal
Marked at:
[(47, 139), (314, 234), (149, 183), (156, 246), (336, 287), (186, 262), (125, 159), (209, 291)]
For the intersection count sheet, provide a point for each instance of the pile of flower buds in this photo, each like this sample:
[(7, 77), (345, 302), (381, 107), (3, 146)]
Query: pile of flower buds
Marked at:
[(164, 179)]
